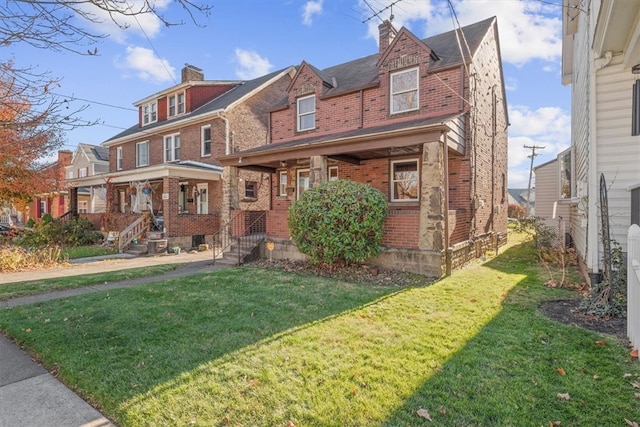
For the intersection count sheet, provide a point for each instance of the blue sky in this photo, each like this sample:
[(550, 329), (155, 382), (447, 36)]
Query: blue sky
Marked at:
[(243, 39)]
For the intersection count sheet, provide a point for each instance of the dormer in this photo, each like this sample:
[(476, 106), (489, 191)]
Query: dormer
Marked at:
[(179, 100)]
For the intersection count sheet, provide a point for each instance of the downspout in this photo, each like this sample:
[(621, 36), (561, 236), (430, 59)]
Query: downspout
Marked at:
[(445, 151), (227, 144), (361, 109)]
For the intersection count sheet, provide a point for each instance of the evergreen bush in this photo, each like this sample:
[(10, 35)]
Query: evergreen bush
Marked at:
[(339, 222)]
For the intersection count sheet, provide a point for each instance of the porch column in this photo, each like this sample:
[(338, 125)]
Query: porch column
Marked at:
[(317, 170), (432, 197), (73, 200), (169, 205), (230, 194)]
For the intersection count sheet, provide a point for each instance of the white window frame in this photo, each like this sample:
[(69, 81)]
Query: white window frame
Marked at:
[(301, 189), (403, 92), (178, 105), (306, 114), (171, 147), (119, 158), (149, 113), (204, 141), (83, 172), (83, 206), (282, 183), (69, 174), (393, 180), (332, 173), (139, 162)]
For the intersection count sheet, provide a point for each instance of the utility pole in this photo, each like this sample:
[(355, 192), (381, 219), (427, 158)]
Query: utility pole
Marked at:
[(532, 156)]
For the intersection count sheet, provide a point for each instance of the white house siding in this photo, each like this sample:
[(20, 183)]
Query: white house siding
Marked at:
[(618, 152), (580, 130), (547, 192)]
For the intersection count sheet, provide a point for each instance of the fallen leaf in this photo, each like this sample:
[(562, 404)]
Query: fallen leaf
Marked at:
[(564, 396), (254, 383), (635, 384), (627, 375), (554, 423), (424, 414), (442, 410), (561, 371), (634, 353), (601, 342), (596, 377), (637, 395), (631, 423), (290, 424)]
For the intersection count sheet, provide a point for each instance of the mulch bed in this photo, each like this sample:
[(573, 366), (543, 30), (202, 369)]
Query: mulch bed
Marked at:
[(568, 312)]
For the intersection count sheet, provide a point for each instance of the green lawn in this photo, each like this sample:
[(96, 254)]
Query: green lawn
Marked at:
[(254, 347), (34, 287), (74, 252)]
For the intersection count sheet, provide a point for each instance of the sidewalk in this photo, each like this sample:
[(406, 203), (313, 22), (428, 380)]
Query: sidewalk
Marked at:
[(32, 397)]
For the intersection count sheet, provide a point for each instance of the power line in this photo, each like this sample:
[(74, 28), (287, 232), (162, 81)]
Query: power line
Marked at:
[(377, 14), (74, 98)]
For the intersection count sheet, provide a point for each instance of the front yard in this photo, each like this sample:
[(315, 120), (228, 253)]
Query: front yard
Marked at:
[(262, 347)]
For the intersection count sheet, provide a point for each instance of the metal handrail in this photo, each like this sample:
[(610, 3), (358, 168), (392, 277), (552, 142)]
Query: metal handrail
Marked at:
[(133, 230), (245, 235)]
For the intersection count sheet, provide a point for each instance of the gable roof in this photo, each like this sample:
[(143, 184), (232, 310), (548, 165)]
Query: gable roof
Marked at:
[(94, 153), (363, 72), (222, 103)]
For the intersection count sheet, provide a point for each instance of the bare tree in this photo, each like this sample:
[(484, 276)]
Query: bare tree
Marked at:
[(32, 118)]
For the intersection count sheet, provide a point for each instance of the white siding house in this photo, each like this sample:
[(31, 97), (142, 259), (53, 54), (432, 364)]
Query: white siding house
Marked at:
[(554, 211), (601, 45)]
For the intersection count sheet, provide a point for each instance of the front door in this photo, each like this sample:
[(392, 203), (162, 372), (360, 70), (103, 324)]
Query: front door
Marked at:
[(203, 199)]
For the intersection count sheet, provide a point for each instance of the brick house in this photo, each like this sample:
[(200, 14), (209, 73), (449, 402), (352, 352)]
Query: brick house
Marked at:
[(421, 122), (54, 201), (166, 165)]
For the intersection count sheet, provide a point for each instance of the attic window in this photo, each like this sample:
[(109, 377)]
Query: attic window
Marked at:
[(149, 113), (404, 91), (306, 113), (176, 104)]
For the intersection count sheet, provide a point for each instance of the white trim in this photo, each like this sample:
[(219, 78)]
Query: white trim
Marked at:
[(176, 106), (416, 90), (118, 158), (298, 192), (311, 113), (149, 104), (138, 162), (392, 180), (174, 137), (202, 140), (286, 174)]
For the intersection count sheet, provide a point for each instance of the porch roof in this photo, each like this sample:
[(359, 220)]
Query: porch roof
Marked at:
[(350, 146), (187, 169)]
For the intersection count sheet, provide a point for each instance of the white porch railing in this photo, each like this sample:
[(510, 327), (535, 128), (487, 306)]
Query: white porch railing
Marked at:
[(133, 230), (633, 286)]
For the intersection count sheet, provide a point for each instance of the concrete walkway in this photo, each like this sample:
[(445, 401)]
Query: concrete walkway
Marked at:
[(32, 397)]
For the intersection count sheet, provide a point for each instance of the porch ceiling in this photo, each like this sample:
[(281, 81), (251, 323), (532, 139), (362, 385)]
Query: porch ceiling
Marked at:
[(350, 147), (187, 170)]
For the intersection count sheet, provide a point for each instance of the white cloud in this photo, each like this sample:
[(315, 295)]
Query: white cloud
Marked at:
[(119, 26), (146, 65), (309, 9), (528, 29), (251, 65), (548, 127)]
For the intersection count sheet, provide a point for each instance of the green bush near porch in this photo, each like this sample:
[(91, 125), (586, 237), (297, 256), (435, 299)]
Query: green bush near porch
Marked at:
[(339, 222)]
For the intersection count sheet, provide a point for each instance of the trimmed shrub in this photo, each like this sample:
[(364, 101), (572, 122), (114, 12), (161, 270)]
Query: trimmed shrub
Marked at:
[(339, 222), (75, 232)]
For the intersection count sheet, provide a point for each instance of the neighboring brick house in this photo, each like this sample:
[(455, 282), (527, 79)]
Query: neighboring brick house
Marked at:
[(89, 160), (167, 163), (55, 201), (416, 121)]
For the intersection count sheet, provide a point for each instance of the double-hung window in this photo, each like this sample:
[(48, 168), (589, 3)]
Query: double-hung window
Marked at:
[(304, 181), (172, 147), (82, 172), (205, 138), (119, 158), (306, 113), (149, 113), (176, 104), (404, 91), (282, 187), (142, 153), (404, 180)]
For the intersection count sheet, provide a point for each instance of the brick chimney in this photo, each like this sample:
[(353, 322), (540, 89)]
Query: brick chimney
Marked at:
[(387, 34), (191, 73)]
